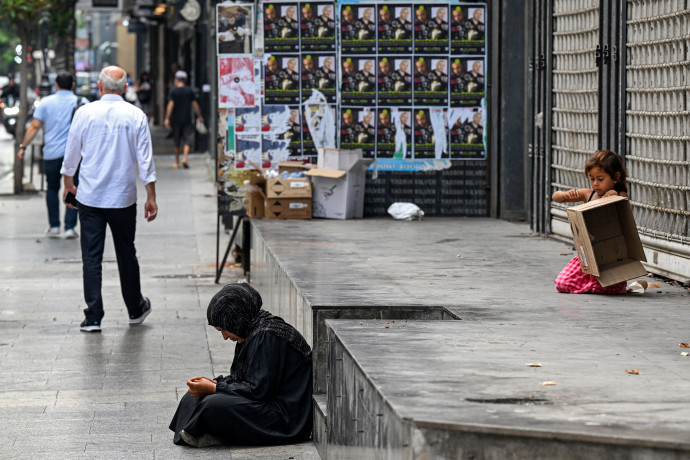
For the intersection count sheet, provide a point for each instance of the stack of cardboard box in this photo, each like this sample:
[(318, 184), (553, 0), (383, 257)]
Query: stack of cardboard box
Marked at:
[(281, 198)]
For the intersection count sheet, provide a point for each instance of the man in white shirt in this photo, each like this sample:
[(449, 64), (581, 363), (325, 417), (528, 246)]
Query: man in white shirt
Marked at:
[(111, 138)]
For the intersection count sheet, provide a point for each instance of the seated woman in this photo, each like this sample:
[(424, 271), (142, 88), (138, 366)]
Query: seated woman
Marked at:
[(267, 398)]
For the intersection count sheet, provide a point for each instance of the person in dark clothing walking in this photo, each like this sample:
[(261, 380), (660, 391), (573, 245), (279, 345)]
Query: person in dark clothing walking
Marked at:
[(178, 116), (267, 398)]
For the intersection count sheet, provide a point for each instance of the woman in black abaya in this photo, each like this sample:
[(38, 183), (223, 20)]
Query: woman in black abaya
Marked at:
[(267, 398)]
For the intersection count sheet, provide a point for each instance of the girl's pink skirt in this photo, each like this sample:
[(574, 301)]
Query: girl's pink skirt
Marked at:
[(572, 280)]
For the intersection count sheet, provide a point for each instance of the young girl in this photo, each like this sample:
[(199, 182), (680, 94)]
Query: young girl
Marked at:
[(607, 177)]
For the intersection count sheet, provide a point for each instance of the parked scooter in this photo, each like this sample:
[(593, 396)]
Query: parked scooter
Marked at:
[(10, 113)]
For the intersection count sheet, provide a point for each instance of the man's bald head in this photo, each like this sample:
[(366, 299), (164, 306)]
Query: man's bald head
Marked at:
[(112, 80)]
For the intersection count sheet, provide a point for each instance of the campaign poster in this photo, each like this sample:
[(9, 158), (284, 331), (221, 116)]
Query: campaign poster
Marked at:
[(467, 29), (283, 123), (318, 72), (358, 80), (431, 31), (385, 134), (467, 133), (317, 27), (395, 29), (308, 148), (248, 151), (467, 82), (281, 28), (234, 28), (431, 81), (358, 130), (237, 86), (394, 81), (282, 79), (248, 120), (424, 140), (358, 29)]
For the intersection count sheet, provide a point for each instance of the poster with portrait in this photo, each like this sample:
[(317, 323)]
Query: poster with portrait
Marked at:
[(282, 79), (385, 133), (395, 29), (423, 134), (282, 122), (308, 148), (234, 28), (358, 129), (317, 27), (467, 140), (358, 81), (431, 29), (431, 81), (467, 29), (467, 82), (281, 28), (394, 81), (237, 86), (358, 29), (318, 72)]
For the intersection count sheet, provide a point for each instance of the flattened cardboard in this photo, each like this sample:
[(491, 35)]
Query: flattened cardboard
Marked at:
[(606, 240), (339, 194), (288, 188), (288, 208), (337, 158)]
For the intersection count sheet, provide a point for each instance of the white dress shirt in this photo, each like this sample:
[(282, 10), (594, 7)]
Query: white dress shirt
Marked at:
[(111, 137)]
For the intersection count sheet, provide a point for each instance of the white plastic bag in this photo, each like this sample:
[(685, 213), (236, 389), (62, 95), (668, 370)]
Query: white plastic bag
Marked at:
[(405, 211)]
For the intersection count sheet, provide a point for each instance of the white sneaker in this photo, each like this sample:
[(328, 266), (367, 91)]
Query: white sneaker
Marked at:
[(71, 234), (53, 232)]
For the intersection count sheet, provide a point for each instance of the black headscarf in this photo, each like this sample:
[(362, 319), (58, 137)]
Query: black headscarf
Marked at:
[(236, 308)]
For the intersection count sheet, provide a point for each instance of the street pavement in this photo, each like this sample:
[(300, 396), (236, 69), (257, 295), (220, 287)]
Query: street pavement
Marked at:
[(65, 394)]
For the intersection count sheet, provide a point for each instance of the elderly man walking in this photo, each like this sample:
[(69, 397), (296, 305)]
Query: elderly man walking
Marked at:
[(54, 115), (111, 138)]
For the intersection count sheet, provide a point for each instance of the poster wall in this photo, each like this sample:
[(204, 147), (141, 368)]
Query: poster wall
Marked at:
[(404, 81)]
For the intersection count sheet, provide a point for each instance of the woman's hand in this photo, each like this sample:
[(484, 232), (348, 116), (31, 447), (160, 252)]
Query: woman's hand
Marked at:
[(201, 386), (610, 193)]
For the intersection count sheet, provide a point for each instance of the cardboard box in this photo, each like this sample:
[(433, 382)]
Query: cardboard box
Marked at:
[(341, 160), (255, 201), (339, 194), (288, 188), (294, 166), (288, 208), (606, 240)]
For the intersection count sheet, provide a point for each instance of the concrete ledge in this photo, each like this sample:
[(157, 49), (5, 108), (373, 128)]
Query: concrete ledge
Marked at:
[(421, 389)]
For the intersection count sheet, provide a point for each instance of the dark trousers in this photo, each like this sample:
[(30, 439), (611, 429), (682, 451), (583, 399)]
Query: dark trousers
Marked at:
[(122, 223), (51, 168)]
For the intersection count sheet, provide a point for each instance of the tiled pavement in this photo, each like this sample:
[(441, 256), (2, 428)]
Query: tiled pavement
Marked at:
[(65, 394)]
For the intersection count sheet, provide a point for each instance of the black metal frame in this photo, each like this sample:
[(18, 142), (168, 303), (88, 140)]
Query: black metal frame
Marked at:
[(246, 246)]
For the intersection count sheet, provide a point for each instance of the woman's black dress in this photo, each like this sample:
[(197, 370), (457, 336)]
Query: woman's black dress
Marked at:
[(271, 405)]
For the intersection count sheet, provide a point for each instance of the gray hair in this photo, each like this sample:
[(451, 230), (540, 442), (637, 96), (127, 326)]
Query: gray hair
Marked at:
[(110, 85)]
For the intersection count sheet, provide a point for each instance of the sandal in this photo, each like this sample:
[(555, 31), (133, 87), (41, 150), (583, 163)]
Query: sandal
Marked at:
[(185, 165)]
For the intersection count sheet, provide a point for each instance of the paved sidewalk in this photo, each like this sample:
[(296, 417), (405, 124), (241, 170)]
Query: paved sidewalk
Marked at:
[(65, 394)]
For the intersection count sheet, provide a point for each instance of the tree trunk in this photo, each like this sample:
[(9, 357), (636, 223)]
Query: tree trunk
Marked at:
[(23, 110)]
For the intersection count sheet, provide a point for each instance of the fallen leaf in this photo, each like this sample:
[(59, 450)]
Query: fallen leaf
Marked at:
[(633, 371), (685, 345), (685, 353), (654, 285), (533, 364), (547, 382)]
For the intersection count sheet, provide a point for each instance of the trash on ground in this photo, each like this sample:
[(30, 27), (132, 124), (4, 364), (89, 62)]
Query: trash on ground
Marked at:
[(684, 345), (405, 211), (684, 353), (640, 286), (533, 364), (633, 371), (547, 383)]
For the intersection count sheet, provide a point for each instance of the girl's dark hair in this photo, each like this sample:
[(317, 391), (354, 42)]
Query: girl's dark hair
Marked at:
[(612, 163)]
